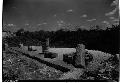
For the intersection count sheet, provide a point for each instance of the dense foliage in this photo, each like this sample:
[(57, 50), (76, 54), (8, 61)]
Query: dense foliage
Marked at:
[(104, 40)]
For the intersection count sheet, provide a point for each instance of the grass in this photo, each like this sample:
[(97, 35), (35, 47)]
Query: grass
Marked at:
[(17, 67)]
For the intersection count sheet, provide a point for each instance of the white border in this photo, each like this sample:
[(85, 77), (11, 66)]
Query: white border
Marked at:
[(1, 1), (122, 41)]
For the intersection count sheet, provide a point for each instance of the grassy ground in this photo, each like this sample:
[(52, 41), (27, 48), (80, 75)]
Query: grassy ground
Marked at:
[(17, 67), (103, 67)]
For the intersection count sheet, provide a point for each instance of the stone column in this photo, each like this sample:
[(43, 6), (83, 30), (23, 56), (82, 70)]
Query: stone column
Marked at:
[(80, 55), (46, 45)]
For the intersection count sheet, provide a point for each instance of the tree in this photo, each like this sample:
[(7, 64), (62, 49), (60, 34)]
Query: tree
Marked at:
[(19, 32)]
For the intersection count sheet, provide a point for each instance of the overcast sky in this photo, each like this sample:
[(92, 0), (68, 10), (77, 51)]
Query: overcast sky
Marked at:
[(55, 14)]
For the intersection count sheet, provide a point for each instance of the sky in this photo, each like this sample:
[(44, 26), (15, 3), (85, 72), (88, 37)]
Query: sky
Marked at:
[(35, 15)]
